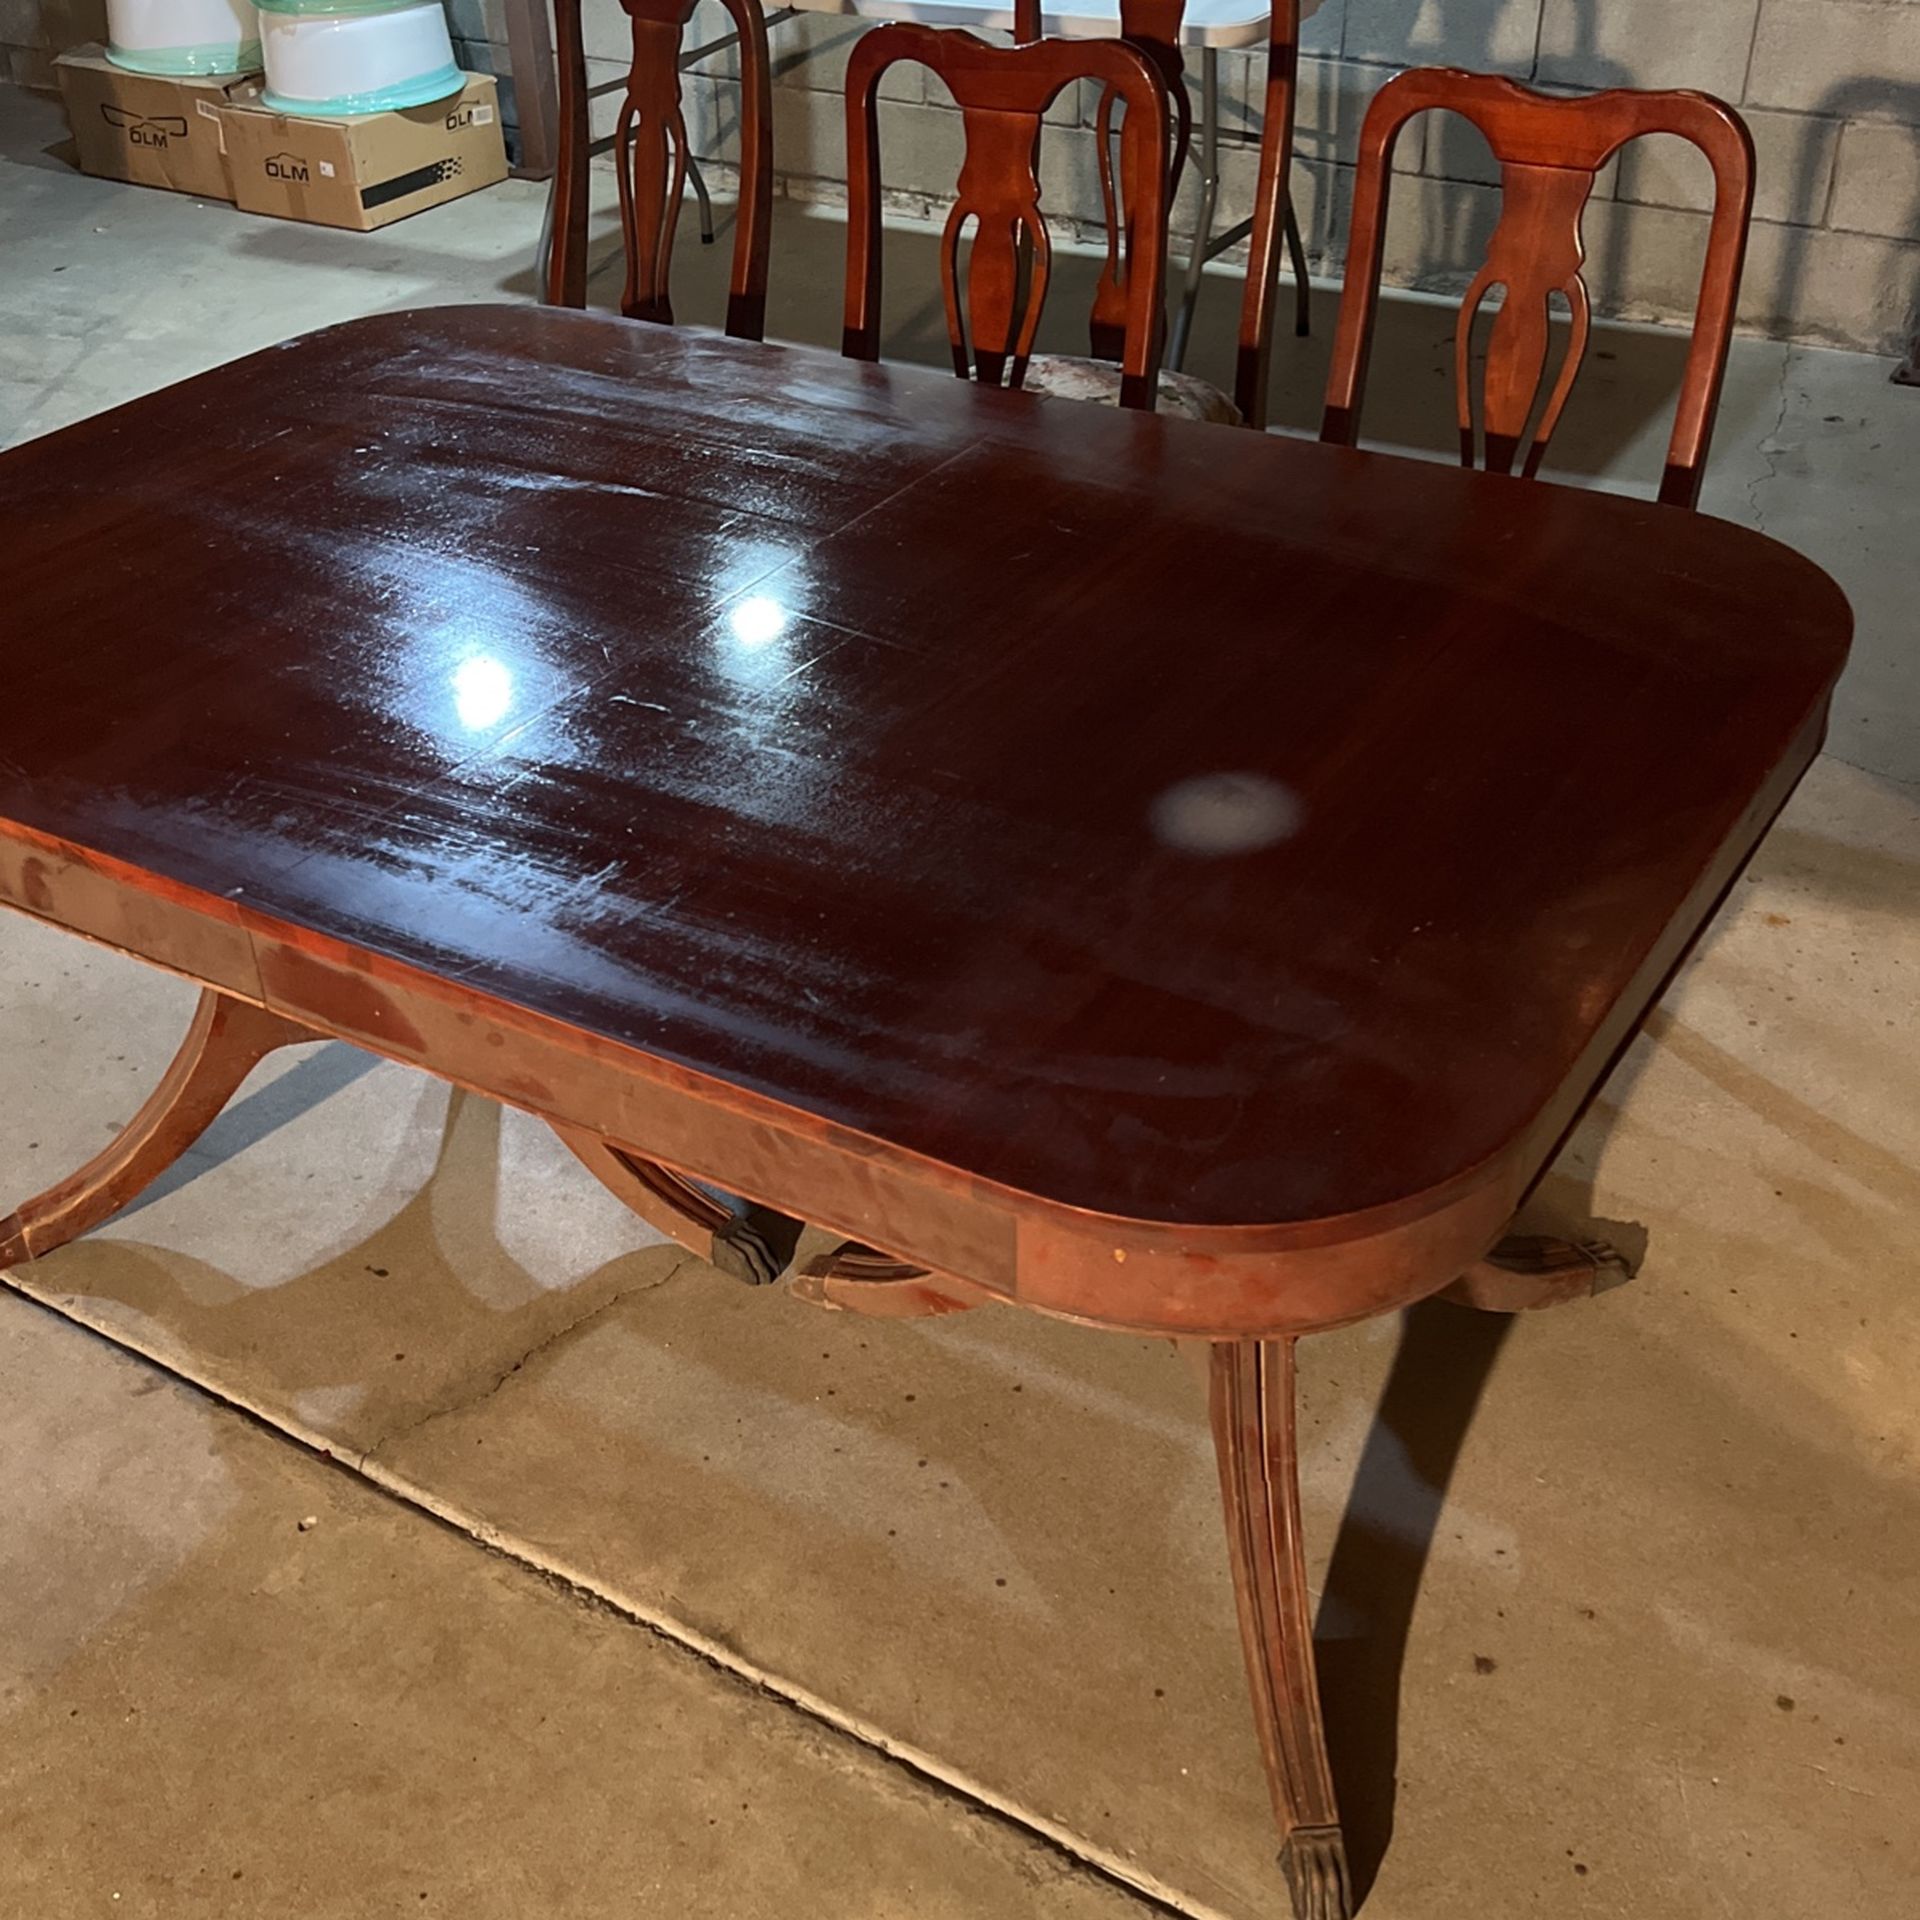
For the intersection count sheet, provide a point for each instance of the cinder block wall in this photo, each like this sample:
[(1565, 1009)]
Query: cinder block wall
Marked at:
[(33, 31), (1831, 89)]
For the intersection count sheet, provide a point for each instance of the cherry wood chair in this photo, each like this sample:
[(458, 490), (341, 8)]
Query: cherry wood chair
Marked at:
[(650, 145), (1549, 149), (1002, 93)]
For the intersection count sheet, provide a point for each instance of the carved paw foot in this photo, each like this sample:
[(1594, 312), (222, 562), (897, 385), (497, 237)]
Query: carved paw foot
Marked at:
[(1529, 1271), (1315, 1863), (756, 1246)]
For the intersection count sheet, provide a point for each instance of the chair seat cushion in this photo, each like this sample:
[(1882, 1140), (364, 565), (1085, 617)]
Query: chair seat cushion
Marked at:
[(1063, 376)]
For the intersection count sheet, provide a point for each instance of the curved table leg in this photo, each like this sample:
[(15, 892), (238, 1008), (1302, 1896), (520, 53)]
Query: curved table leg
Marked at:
[(754, 1245), (1530, 1270), (227, 1040), (1251, 1398)]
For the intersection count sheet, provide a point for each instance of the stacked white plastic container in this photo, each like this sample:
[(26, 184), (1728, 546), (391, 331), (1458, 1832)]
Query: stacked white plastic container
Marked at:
[(339, 57), (183, 36)]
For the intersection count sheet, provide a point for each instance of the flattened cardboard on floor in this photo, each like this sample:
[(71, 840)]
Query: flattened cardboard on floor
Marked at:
[(368, 170), (154, 129)]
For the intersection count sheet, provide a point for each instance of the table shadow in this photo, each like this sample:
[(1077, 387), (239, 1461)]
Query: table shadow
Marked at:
[(1444, 1360)]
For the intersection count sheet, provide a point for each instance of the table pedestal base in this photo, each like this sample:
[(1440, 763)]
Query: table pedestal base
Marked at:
[(227, 1040), (1251, 1385)]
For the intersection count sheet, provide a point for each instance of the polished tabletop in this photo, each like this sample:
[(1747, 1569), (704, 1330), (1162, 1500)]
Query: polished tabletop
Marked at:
[(1156, 819)]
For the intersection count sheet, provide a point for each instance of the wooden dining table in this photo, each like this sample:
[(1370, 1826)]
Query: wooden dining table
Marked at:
[(1163, 876)]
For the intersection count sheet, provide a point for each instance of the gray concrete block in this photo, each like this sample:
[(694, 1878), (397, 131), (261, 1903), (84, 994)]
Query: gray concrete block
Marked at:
[(477, 20), (31, 67), (1320, 191), (1324, 29), (1793, 155), (605, 32), (1876, 183), (1664, 170), (1841, 289), (1643, 262), (810, 136), (1647, 43), (1456, 150), (52, 25), (1443, 33), (712, 22), (812, 52), (1437, 232), (711, 110), (1857, 59), (602, 113), (922, 148), (1070, 175), (1332, 105)]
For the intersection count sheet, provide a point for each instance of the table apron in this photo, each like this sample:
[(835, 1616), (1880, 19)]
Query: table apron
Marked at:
[(1220, 1282)]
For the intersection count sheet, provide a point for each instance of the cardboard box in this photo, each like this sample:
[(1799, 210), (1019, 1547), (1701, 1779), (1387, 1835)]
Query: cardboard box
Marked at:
[(369, 170), (153, 129)]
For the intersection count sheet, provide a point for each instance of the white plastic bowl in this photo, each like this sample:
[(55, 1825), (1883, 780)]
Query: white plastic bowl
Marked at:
[(357, 62), (183, 36)]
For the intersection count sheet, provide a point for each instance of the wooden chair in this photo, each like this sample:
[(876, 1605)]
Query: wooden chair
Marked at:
[(1549, 149), (1002, 94), (650, 145)]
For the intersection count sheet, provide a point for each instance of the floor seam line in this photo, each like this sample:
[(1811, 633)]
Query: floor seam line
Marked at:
[(950, 1783)]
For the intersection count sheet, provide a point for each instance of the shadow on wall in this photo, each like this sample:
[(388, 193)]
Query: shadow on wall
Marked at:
[(72, 23), (1442, 219), (1892, 110)]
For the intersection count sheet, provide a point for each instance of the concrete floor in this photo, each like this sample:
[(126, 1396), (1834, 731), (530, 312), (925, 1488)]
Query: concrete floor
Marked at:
[(933, 1619)]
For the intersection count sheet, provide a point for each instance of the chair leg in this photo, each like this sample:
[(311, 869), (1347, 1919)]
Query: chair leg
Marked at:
[(1251, 1400), (227, 1040)]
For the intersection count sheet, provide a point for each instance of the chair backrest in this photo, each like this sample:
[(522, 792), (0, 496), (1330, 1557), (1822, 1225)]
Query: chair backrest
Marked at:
[(1549, 149), (650, 156), (1002, 92)]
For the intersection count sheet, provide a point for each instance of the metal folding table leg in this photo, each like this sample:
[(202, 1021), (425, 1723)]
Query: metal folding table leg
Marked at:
[(1201, 250), (1208, 245), (698, 181)]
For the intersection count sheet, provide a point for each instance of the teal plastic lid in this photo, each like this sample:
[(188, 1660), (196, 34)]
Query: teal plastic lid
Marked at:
[(233, 56), (320, 7), (344, 106)]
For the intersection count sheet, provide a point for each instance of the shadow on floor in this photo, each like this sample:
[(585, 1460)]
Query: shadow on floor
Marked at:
[(1441, 1367)]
